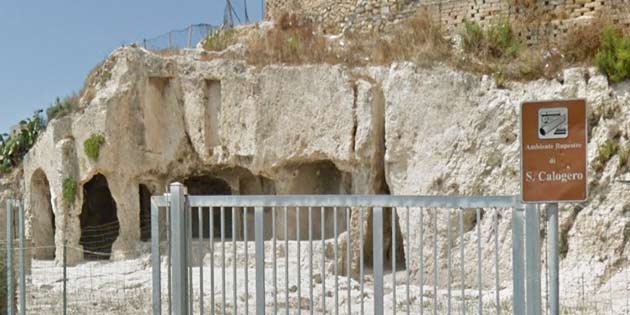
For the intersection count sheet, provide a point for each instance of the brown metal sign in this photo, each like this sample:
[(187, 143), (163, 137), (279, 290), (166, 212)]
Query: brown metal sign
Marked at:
[(553, 151)]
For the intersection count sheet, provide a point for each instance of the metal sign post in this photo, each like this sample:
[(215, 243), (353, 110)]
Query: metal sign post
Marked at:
[(553, 169)]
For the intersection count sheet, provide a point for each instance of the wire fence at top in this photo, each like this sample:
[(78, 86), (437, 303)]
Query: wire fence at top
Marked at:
[(179, 39)]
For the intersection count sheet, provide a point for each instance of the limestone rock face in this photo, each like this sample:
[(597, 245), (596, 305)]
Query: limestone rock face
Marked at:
[(323, 129)]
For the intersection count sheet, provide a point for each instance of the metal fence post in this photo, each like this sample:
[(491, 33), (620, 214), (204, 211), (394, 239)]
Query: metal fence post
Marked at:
[(553, 260), (65, 277), (378, 260), (532, 259), (518, 261), (9, 257), (189, 36), (179, 249), (260, 260), (155, 258), (22, 277)]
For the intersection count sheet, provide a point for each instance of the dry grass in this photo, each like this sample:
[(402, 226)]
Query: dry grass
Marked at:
[(295, 40), (496, 50), (582, 43)]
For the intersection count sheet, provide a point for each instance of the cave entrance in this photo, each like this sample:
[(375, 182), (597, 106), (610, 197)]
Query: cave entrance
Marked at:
[(145, 213), (99, 220), (43, 217), (207, 186)]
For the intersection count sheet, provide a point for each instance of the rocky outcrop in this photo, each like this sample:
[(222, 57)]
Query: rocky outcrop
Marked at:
[(325, 129)]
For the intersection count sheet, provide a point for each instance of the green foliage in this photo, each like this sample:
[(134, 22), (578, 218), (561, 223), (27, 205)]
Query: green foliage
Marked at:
[(624, 154), (13, 148), (605, 151), (61, 108), (496, 41), (613, 57), (92, 146), (69, 190), (220, 39), (501, 40), (472, 36)]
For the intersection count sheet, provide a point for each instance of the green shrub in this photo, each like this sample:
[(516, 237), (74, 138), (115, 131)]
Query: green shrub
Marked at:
[(220, 39), (13, 148), (497, 41), (472, 36), (69, 191), (501, 40), (605, 151), (92, 146), (624, 153), (613, 57)]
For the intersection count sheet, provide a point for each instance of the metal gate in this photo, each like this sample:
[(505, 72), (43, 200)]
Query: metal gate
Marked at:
[(442, 279)]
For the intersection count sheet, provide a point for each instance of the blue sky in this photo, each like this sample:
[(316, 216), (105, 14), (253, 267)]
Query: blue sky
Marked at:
[(48, 47)]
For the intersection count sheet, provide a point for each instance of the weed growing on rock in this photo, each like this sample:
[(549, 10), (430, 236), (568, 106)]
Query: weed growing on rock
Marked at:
[(63, 107), (92, 146), (69, 190), (604, 153), (613, 57), (220, 39)]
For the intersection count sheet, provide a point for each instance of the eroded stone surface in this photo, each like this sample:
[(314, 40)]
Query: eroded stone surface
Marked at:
[(399, 130)]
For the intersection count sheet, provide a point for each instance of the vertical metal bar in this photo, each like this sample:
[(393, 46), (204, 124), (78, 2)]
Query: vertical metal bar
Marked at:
[(178, 232), (275, 263), (435, 266), (211, 214), (299, 260), (246, 286), (169, 272), (378, 260), (190, 42), (361, 263), (496, 261), (553, 260), (189, 256), (65, 277), (460, 231), (393, 223), (286, 260), (155, 258), (407, 256), (479, 261), (348, 263), (22, 278), (260, 261), (310, 258), (234, 285), (323, 228), (532, 259), (448, 262), (223, 297), (421, 261), (518, 262), (336, 261), (201, 254), (10, 257)]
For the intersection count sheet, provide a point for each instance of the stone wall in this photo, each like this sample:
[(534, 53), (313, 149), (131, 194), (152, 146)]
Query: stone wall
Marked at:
[(532, 19)]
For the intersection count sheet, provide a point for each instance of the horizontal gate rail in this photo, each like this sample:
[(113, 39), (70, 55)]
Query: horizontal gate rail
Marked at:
[(181, 209), (350, 201)]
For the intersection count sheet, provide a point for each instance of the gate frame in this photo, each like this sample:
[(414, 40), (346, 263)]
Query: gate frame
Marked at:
[(525, 238)]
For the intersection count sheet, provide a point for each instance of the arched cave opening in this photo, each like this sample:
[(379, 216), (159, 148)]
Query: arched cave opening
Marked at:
[(145, 213), (99, 220), (43, 217), (204, 186)]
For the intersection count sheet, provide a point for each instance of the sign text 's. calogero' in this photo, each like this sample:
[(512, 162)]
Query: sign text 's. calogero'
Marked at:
[(553, 151)]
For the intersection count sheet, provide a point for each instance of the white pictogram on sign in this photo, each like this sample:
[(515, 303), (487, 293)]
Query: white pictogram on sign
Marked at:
[(553, 123)]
